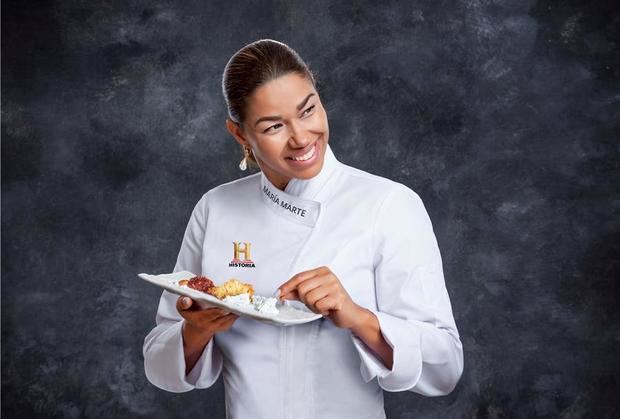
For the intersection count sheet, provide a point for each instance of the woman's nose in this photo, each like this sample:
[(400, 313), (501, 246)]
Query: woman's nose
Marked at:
[(299, 137), (300, 142)]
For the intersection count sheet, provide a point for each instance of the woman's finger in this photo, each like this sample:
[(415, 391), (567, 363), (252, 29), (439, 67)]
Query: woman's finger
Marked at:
[(293, 295), (316, 294), (211, 314), (303, 288), (184, 303), (292, 283), (226, 321), (324, 305), (196, 314)]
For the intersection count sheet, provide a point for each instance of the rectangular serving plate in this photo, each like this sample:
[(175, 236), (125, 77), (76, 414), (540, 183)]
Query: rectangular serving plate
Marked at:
[(288, 314)]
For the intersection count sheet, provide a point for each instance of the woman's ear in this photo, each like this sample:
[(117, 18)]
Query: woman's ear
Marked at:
[(236, 131)]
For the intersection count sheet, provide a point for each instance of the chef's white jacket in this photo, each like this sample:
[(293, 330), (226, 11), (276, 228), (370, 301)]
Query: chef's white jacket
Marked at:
[(377, 238)]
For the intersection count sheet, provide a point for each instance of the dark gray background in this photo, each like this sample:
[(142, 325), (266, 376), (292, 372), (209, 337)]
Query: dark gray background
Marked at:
[(502, 115)]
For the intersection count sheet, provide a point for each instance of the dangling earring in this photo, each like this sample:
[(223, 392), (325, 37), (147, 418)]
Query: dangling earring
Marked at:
[(244, 162)]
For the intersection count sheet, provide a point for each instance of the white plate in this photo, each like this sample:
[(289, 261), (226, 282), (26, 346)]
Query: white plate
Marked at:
[(290, 313)]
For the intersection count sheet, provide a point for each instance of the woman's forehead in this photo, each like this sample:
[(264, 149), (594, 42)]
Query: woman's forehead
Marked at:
[(283, 94)]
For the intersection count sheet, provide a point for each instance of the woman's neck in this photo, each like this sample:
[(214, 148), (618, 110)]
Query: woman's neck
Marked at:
[(276, 179)]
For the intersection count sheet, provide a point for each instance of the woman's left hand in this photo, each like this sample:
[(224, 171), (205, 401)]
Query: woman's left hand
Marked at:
[(322, 292)]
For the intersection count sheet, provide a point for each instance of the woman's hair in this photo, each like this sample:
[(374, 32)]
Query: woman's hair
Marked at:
[(254, 65)]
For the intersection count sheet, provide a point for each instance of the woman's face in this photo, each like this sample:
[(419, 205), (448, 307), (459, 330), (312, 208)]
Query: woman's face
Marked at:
[(286, 128)]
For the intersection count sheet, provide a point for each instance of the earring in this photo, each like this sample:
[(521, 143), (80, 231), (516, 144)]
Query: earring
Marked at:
[(244, 162)]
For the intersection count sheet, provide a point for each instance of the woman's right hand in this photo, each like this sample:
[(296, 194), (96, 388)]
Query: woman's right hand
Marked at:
[(205, 322), (199, 327)]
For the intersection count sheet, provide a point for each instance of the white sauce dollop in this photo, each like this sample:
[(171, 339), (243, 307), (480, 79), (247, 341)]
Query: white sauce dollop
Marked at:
[(241, 299), (266, 304)]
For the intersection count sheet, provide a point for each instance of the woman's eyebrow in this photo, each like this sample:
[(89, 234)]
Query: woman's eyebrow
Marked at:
[(278, 117)]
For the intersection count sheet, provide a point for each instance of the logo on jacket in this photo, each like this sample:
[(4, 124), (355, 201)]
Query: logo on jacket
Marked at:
[(239, 250)]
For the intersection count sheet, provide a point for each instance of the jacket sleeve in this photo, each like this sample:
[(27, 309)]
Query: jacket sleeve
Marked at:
[(414, 310), (164, 360)]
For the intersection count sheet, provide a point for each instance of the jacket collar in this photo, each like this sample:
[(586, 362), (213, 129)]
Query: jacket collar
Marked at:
[(300, 201)]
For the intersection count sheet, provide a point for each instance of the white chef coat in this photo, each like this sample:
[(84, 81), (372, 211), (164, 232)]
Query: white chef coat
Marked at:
[(377, 238)]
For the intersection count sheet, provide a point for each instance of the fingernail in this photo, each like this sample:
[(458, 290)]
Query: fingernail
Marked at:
[(185, 301)]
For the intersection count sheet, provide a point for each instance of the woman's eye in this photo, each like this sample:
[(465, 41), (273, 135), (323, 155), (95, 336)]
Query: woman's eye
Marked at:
[(309, 109), (267, 130), (303, 114)]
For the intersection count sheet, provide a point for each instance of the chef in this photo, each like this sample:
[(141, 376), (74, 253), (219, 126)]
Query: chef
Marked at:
[(355, 247)]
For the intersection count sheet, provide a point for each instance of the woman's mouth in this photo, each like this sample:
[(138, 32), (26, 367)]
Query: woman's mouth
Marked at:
[(306, 156), (306, 159)]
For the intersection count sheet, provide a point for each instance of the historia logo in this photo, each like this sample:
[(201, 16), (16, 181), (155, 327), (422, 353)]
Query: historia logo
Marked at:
[(237, 262)]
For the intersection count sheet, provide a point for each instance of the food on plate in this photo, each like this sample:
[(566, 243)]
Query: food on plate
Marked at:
[(243, 299), (265, 304), (200, 283), (231, 288), (233, 291)]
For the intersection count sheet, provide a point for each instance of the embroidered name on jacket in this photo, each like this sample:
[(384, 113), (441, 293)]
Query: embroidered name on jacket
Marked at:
[(238, 250), (286, 205)]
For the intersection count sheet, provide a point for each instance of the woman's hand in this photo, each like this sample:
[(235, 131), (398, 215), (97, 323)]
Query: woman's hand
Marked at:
[(207, 321), (199, 328), (322, 292)]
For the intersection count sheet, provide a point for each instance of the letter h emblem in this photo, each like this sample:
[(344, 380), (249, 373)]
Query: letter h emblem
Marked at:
[(245, 250)]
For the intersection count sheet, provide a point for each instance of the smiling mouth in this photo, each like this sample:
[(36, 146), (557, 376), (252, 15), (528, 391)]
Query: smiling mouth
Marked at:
[(306, 156)]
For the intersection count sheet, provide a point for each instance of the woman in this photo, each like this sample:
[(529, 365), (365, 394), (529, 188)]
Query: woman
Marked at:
[(355, 247)]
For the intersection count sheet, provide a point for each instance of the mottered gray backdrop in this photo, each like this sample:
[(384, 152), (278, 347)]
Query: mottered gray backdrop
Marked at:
[(502, 115)]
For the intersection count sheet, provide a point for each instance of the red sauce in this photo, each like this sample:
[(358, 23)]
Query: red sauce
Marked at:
[(200, 283)]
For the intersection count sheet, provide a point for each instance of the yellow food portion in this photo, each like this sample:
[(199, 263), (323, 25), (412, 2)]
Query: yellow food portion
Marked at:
[(230, 288)]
